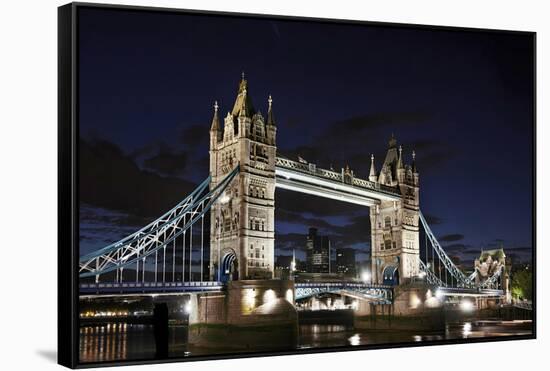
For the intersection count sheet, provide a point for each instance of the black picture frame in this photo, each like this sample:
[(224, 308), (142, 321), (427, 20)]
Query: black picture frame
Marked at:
[(68, 200)]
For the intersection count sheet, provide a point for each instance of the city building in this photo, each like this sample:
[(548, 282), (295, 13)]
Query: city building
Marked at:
[(317, 252), (345, 261)]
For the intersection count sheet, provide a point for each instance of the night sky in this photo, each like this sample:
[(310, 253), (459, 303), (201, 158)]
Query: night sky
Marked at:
[(461, 100)]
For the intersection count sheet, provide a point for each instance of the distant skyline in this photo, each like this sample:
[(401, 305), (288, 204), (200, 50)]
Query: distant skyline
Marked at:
[(461, 100)]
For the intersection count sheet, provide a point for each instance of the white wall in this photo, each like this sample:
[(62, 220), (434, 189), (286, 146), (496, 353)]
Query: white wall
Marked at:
[(28, 79)]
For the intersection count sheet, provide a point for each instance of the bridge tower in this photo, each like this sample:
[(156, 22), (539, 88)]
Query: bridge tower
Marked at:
[(395, 247), (242, 231)]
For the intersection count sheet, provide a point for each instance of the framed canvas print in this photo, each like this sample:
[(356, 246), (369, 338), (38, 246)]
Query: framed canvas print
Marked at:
[(235, 185)]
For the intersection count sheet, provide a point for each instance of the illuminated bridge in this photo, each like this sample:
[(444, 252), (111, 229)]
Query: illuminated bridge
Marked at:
[(235, 204), (147, 248)]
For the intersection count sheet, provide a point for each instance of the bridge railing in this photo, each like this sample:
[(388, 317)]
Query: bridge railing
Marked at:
[(342, 284), (150, 284)]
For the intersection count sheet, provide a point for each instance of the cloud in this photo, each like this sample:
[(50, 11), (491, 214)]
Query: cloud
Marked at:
[(456, 247), (167, 163), (295, 202), (193, 136), (351, 141), (110, 179), (287, 242), (432, 219), (285, 215), (355, 232), (451, 237)]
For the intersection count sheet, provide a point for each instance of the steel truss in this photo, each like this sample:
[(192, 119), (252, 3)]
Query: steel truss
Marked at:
[(156, 235), (461, 279)]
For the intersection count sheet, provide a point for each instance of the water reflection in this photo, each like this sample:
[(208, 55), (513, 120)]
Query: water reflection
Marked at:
[(121, 341), (355, 340), (467, 330)]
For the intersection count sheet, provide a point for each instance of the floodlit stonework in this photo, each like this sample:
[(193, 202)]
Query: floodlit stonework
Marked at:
[(242, 222), (395, 224)]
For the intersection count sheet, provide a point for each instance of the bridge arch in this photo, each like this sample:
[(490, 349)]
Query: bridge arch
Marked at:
[(229, 266), (390, 275)]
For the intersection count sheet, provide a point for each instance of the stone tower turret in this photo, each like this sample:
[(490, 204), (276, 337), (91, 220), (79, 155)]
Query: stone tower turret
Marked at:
[(395, 224), (242, 224)]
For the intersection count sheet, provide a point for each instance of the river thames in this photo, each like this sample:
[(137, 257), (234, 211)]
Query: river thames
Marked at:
[(123, 341)]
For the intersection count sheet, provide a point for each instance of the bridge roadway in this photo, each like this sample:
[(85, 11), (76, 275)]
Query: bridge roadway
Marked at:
[(309, 179), (303, 290), (148, 288)]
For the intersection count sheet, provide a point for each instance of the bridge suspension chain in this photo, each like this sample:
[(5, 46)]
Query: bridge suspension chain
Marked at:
[(461, 280), (450, 267), (156, 235), (430, 276)]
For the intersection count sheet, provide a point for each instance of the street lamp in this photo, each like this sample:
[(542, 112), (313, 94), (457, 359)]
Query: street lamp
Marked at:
[(365, 277)]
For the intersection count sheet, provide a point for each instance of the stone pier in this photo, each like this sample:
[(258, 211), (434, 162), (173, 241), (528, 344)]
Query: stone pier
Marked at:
[(248, 314)]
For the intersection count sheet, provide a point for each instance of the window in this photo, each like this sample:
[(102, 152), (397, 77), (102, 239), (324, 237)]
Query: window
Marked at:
[(394, 244), (387, 222), (387, 244), (257, 253), (263, 225), (257, 225), (251, 224)]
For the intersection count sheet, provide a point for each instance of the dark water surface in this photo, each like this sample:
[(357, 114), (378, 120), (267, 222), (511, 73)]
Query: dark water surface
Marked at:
[(121, 341)]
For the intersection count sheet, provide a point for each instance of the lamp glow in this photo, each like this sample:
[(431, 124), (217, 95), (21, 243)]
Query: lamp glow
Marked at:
[(466, 306)]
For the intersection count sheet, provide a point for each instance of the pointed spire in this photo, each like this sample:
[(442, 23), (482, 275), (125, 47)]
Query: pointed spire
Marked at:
[(414, 162), (270, 117), (243, 104), (215, 120), (242, 112), (400, 160), (392, 142), (372, 175)]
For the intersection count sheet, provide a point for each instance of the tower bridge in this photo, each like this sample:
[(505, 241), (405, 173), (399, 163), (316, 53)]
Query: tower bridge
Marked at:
[(239, 196)]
